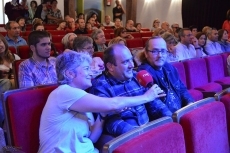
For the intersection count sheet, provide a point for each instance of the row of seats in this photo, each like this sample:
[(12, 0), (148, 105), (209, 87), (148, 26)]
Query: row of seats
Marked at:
[(200, 127)]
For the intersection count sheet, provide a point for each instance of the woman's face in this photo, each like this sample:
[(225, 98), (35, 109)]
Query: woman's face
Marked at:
[(2, 47), (71, 38), (201, 40), (21, 22), (33, 4), (157, 24), (63, 25), (94, 16), (123, 33), (139, 26), (83, 77), (225, 36), (40, 28)]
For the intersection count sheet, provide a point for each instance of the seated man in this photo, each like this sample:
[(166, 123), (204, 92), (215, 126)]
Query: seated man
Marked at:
[(212, 46), (130, 26), (108, 21), (40, 68), (13, 34), (165, 75), (117, 23), (71, 26), (81, 28), (119, 79), (99, 40), (185, 49)]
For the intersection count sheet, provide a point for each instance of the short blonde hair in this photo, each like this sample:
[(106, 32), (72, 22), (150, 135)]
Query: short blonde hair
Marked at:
[(116, 41)]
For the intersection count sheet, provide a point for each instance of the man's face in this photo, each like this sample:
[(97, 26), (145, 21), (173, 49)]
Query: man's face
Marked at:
[(92, 21), (175, 27), (81, 23), (214, 35), (130, 24), (123, 70), (157, 52), (100, 40), (42, 49), (117, 22), (165, 26), (186, 39), (71, 22), (14, 30), (194, 31), (107, 19)]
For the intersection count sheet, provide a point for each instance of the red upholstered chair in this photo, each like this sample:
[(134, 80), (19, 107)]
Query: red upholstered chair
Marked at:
[(197, 77), (3, 33), (204, 126), (56, 32), (23, 108), (98, 54), (107, 36), (135, 34), (145, 29), (159, 136), (50, 26), (23, 51), (144, 40), (57, 38), (25, 37), (134, 43), (224, 97), (215, 67), (108, 27), (16, 64), (12, 49), (196, 94), (26, 33), (108, 31), (147, 34), (111, 35), (59, 47)]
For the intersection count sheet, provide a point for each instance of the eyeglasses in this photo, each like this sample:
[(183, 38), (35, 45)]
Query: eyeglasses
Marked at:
[(157, 51), (89, 48)]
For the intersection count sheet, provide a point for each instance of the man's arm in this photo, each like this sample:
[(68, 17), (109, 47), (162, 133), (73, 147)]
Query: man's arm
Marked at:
[(25, 76)]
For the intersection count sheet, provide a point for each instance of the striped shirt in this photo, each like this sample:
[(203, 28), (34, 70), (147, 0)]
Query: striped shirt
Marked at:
[(33, 73)]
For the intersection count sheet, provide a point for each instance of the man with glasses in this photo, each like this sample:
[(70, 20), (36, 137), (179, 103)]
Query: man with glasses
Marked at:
[(154, 60), (185, 49), (99, 40)]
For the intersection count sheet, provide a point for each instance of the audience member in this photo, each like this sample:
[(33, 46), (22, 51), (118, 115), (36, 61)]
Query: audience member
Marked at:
[(185, 49), (54, 14), (117, 40), (81, 27), (176, 35), (201, 37), (206, 29), (223, 40), (66, 18), (108, 21), (199, 49), (130, 26), (117, 23), (165, 26), (13, 10), (81, 16), (67, 40), (32, 10), (71, 25), (121, 32), (174, 27), (118, 10), (88, 27), (170, 42), (42, 10), (91, 20), (61, 25), (38, 27), (74, 106), (156, 24), (158, 32), (226, 24), (85, 44), (40, 68), (99, 40), (193, 29), (101, 26), (166, 76), (95, 16), (119, 79), (13, 34), (37, 20), (138, 26), (22, 23), (212, 46)]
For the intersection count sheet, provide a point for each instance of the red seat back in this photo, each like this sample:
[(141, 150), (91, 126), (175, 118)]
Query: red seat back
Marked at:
[(16, 64), (134, 43), (136, 34), (23, 51), (56, 32), (146, 34), (59, 47), (57, 38), (12, 49), (98, 54), (180, 68)]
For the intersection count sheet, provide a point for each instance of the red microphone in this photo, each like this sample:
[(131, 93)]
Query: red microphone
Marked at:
[(145, 79)]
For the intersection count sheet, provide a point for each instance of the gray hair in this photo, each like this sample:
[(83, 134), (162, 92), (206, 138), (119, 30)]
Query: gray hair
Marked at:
[(65, 40), (69, 60), (7, 26), (80, 42), (95, 33)]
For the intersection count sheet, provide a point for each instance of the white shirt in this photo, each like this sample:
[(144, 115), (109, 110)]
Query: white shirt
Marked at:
[(63, 130), (184, 52), (110, 24), (212, 47)]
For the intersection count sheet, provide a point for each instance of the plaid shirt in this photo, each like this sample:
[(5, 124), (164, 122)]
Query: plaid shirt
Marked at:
[(106, 85), (33, 73)]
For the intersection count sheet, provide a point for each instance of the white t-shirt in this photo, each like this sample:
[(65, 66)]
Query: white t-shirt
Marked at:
[(63, 130)]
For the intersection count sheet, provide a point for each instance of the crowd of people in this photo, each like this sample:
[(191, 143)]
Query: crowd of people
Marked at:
[(118, 102)]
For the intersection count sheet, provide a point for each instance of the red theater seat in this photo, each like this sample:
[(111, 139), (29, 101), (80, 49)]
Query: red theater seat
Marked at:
[(16, 64), (159, 136), (144, 40), (23, 51), (204, 126), (108, 31), (197, 77), (107, 36), (224, 58), (57, 38), (23, 108), (134, 43), (135, 34), (13, 49), (3, 33), (98, 54), (145, 29), (215, 67), (146, 34), (56, 32), (59, 47), (26, 33)]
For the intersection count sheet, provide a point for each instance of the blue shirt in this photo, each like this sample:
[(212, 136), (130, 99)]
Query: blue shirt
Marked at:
[(20, 42), (225, 46)]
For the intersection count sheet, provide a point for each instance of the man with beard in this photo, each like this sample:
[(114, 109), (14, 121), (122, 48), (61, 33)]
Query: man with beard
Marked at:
[(40, 68), (154, 60), (13, 32)]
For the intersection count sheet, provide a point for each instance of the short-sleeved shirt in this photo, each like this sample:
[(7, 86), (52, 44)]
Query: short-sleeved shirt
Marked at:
[(63, 130), (20, 42)]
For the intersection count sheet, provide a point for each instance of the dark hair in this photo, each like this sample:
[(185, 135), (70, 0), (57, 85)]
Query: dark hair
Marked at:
[(7, 55), (53, 1), (35, 2), (80, 15), (35, 36), (228, 15), (137, 24), (192, 27), (18, 19), (7, 26), (109, 56), (36, 25), (220, 33), (118, 31), (181, 32), (198, 35)]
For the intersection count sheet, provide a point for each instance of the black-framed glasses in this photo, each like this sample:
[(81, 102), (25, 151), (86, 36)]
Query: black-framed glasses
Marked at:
[(89, 48), (158, 51)]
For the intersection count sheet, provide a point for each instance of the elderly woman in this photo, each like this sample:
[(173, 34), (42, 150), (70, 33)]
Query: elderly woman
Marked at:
[(66, 122), (67, 40), (223, 40)]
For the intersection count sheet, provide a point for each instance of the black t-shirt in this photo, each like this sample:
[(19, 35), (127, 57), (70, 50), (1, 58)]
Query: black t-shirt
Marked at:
[(78, 31), (117, 10)]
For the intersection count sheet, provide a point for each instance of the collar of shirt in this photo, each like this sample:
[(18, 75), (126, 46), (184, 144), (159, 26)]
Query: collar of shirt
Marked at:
[(9, 39), (42, 65)]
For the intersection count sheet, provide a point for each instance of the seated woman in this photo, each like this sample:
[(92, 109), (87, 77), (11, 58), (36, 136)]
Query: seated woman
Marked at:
[(22, 23), (156, 24), (67, 124), (54, 14), (67, 41), (6, 73), (117, 40), (200, 42), (223, 40), (138, 27), (121, 32), (61, 25)]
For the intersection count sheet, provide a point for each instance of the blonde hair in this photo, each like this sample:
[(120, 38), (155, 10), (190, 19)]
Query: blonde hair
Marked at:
[(65, 40), (116, 41)]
